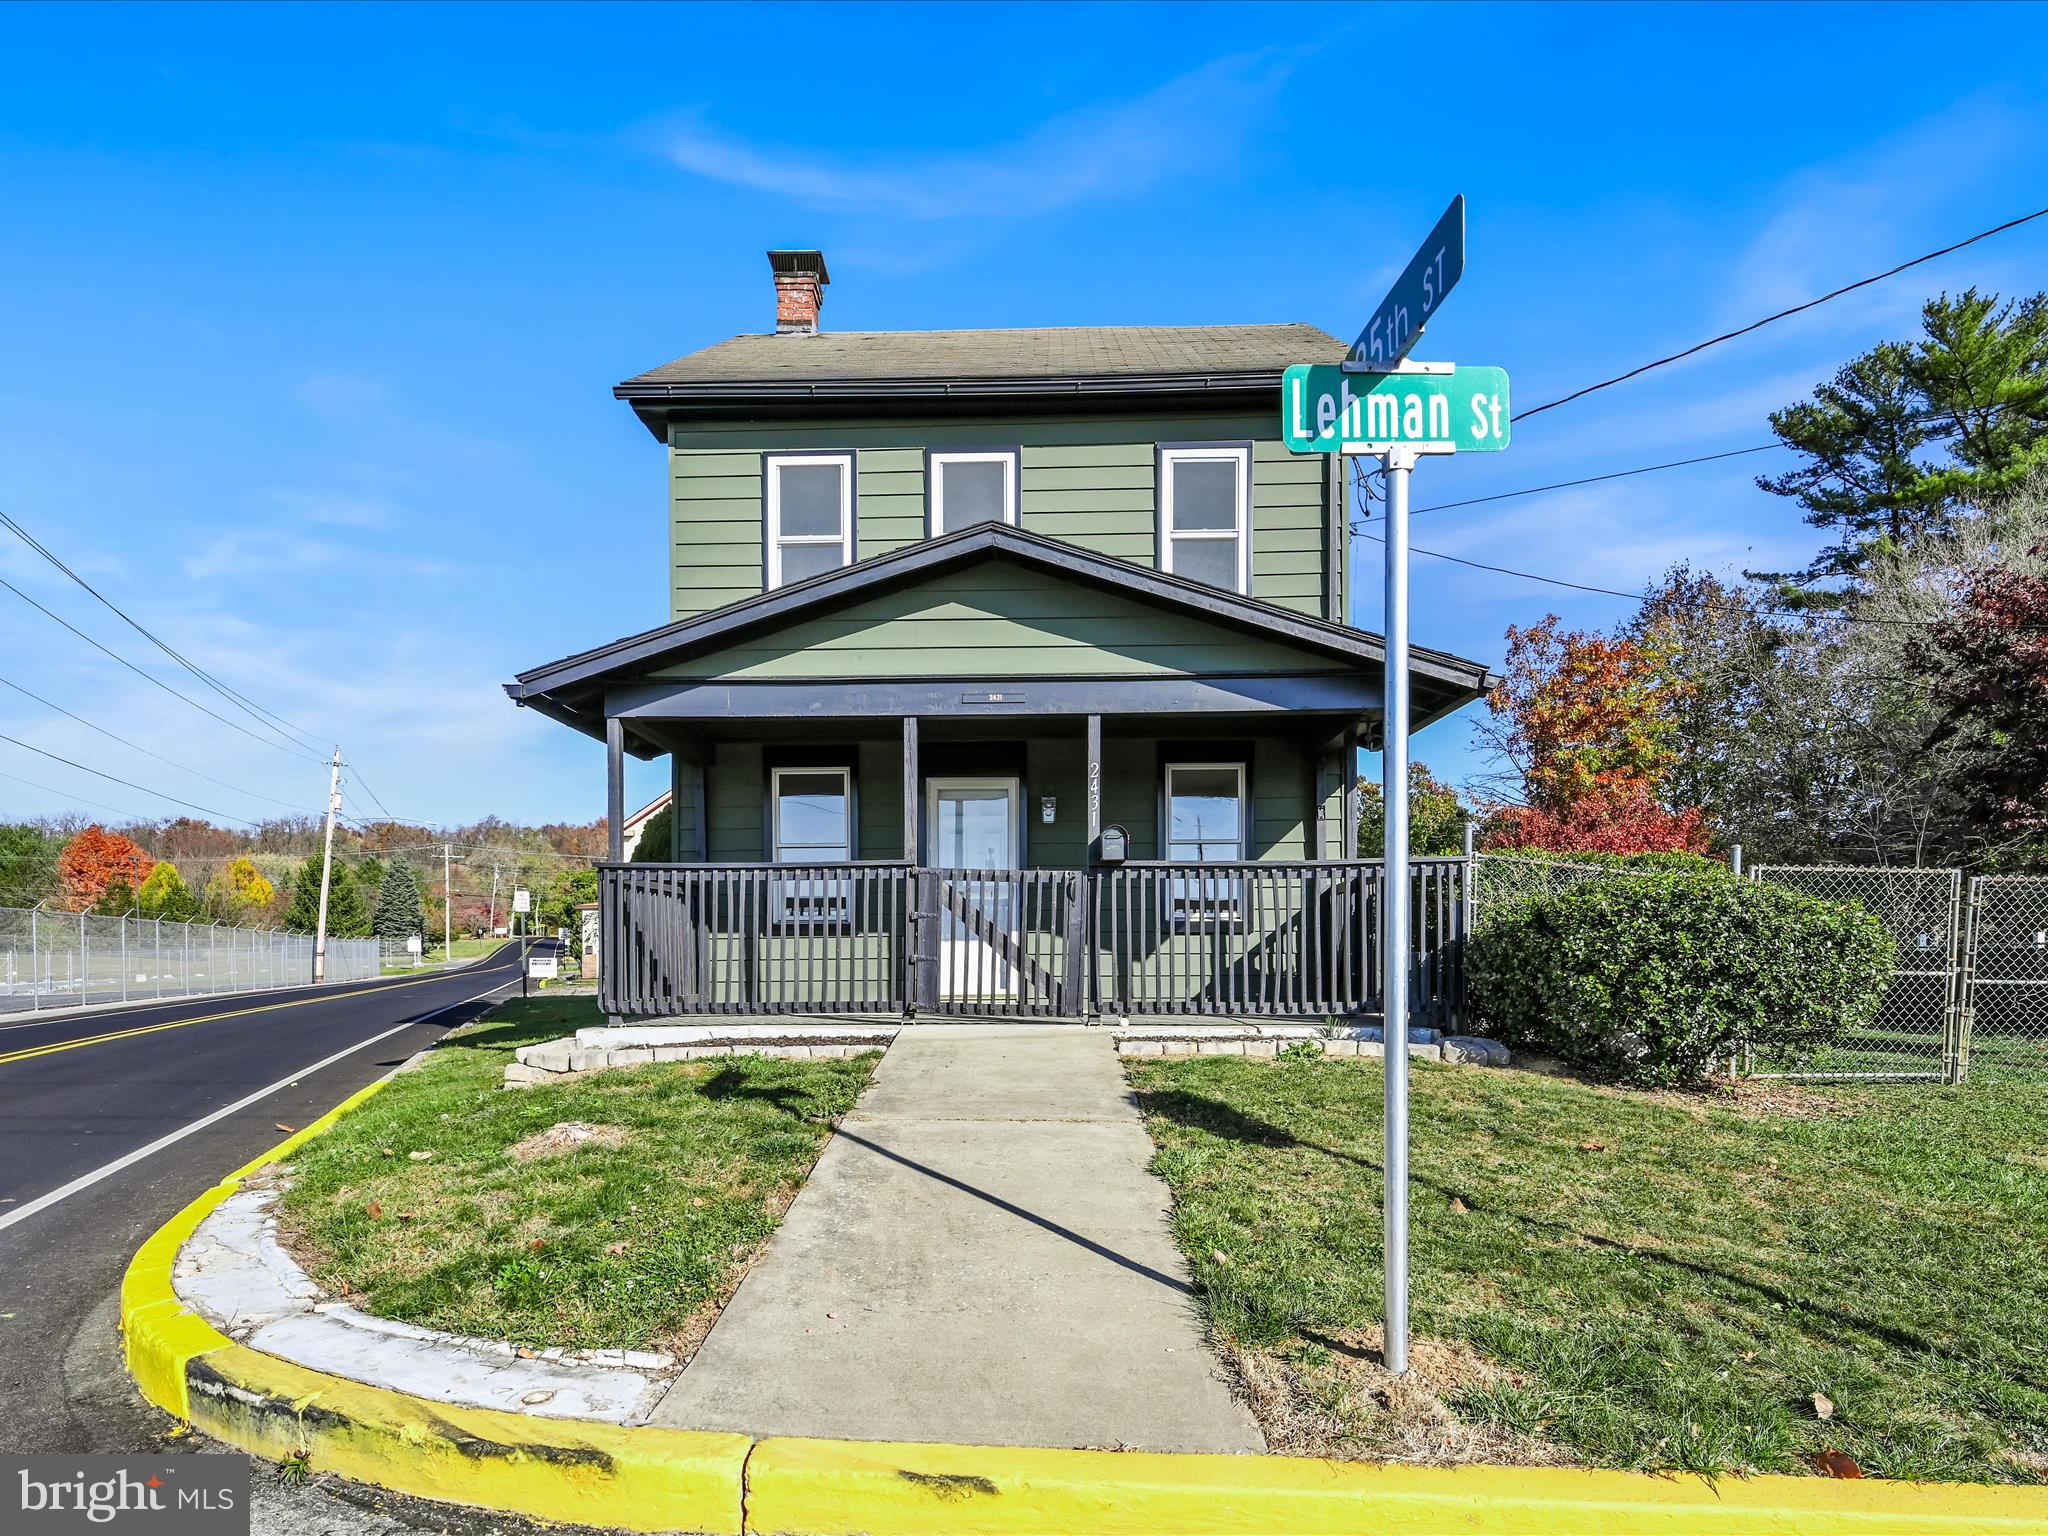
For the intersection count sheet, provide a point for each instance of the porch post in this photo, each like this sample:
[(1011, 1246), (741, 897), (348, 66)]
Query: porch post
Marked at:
[(1094, 787), (1348, 843), (912, 799), (678, 784), (615, 789)]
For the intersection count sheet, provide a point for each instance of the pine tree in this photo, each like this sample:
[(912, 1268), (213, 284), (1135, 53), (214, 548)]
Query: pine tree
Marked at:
[(1907, 439), (399, 915), (348, 917)]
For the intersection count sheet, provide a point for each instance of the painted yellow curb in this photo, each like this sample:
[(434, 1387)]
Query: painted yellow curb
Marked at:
[(842, 1488), (646, 1478), (643, 1479)]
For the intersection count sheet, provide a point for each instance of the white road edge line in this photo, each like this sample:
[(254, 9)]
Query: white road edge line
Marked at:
[(87, 1180)]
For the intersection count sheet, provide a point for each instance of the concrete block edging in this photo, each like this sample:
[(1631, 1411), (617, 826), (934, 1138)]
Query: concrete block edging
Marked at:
[(651, 1478)]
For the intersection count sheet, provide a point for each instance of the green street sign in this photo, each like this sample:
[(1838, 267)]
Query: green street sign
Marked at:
[(1324, 409), (1431, 273)]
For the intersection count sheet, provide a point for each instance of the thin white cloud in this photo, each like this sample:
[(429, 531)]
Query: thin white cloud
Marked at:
[(1180, 128)]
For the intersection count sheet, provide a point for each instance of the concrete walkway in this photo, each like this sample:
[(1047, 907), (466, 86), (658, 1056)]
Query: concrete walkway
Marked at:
[(979, 1257)]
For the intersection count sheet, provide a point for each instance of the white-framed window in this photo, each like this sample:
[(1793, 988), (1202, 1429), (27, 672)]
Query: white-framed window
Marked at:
[(810, 515), (1207, 819), (811, 819), (1205, 513), (966, 486)]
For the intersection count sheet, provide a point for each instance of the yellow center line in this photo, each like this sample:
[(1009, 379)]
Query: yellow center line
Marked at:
[(236, 1013)]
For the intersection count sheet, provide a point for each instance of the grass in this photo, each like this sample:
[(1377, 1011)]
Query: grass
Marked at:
[(458, 951), (633, 1247), (1630, 1280)]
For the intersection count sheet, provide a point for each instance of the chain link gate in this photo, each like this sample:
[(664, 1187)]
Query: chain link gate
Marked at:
[(1917, 1032), (2005, 977)]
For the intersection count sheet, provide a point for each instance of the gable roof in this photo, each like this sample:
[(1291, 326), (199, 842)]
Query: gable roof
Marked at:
[(572, 690)]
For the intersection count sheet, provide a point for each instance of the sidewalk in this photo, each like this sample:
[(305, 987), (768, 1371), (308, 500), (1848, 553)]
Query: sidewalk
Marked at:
[(980, 1256)]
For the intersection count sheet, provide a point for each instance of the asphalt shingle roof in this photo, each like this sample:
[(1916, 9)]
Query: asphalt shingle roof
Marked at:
[(1046, 352)]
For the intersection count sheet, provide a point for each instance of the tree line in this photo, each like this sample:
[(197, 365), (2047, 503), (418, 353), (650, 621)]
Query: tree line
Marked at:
[(386, 881)]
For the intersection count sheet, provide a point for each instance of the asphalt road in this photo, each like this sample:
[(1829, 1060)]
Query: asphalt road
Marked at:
[(112, 1121)]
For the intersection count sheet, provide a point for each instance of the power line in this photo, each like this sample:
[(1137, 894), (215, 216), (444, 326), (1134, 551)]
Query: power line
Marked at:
[(1643, 597), (80, 799), (248, 706), (1757, 325), (145, 751), (125, 783), (152, 678)]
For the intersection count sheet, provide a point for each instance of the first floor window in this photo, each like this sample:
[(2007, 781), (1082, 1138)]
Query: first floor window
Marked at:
[(810, 515), (1206, 820), (1205, 514), (969, 487), (813, 824)]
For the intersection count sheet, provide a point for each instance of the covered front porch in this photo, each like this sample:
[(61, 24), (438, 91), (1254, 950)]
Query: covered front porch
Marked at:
[(1118, 793)]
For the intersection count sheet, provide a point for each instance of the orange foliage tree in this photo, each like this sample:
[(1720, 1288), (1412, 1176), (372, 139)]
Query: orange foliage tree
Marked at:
[(1586, 721), (94, 860)]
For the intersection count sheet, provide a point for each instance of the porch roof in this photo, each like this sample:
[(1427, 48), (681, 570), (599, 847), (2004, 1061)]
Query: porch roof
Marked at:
[(575, 689)]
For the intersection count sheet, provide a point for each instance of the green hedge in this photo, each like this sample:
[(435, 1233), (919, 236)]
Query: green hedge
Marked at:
[(1649, 978)]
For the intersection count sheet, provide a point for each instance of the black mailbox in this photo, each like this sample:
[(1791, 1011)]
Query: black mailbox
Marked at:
[(1116, 845)]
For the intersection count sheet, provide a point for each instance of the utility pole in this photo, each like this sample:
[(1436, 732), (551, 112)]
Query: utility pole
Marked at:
[(494, 901), (447, 904), (327, 868)]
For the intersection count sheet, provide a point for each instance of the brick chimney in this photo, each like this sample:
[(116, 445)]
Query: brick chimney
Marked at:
[(800, 279)]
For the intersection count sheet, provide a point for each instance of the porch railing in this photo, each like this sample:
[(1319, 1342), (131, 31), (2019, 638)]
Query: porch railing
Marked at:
[(1256, 939)]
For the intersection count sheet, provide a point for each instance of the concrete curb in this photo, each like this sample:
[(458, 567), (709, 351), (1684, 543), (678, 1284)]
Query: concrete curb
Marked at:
[(647, 1478)]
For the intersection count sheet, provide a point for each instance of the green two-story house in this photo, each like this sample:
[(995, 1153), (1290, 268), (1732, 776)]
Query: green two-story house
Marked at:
[(1006, 672)]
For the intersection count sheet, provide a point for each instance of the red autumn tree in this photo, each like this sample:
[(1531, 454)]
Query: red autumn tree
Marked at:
[(1992, 661), (1587, 722), (1632, 824), (94, 860)]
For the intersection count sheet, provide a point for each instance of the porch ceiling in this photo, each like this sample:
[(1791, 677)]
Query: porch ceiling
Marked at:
[(804, 652)]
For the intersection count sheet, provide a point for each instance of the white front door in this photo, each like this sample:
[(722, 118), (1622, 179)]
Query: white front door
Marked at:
[(975, 824)]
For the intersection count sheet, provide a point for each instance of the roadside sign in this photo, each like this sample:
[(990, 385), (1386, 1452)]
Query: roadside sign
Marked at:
[(522, 901), (1435, 407), (542, 968), (412, 944), (1431, 273)]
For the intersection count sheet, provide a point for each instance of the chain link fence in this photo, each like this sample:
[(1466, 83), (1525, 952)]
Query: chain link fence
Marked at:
[(2005, 977), (1970, 995), (71, 959), (1917, 1030)]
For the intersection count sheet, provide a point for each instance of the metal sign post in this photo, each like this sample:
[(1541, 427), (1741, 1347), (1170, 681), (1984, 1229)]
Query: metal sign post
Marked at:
[(1378, 402), (1394, 956)]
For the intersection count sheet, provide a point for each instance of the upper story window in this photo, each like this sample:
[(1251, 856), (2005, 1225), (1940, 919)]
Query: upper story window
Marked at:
[(1204, 513), (969, 486), (810, 515)]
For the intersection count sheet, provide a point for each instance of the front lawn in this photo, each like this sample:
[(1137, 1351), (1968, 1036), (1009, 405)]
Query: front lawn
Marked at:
[(415, 1206), (1701, 1282)]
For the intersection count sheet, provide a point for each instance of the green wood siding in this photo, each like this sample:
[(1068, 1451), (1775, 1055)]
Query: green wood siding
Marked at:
[(1090, 480), (995, 620)]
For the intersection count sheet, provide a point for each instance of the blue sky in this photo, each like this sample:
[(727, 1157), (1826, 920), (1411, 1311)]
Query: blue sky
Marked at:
[(308, 317)]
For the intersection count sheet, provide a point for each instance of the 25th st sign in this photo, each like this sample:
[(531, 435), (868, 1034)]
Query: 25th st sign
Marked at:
[(1436, 408)]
